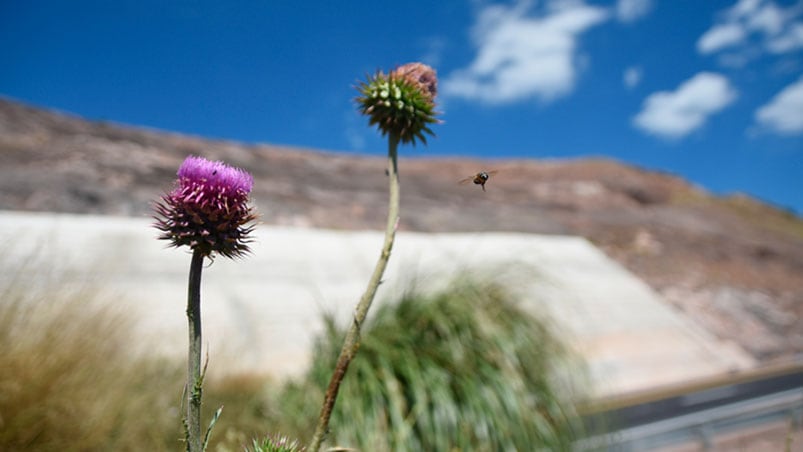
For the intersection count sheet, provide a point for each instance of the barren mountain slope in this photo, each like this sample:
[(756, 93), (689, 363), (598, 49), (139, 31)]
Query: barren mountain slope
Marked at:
[(733, 264)]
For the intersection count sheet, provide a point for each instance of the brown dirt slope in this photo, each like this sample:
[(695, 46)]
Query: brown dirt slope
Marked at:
[(733, 264)]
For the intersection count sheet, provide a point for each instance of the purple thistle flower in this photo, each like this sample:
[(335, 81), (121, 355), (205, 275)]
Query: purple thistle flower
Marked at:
[(207, 209)]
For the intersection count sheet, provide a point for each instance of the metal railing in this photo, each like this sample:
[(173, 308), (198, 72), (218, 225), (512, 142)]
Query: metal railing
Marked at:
[(699, 411)]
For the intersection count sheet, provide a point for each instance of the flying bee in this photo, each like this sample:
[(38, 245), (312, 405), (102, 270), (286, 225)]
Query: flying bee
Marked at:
[(479, 179)]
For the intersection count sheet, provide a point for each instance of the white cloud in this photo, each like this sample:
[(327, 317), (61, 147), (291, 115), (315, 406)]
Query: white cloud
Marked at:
[(720, 37), (743, 8), (632, 10), (520, 57), (675, 114), (755, 27), (789, 41), (769, 20), (784, 112), (632, 77)]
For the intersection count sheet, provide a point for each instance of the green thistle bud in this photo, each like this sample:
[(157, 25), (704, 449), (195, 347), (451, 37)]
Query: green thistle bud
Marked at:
[(401, 103)]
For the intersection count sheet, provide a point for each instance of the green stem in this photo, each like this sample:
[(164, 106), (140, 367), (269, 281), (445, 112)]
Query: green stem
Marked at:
[(194, 379), (352, 342)]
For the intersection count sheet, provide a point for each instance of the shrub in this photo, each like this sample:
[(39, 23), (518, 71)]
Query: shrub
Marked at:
[(464, 369)]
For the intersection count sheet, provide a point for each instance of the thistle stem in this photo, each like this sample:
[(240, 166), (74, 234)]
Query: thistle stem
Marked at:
[(352, 342), (194, 378)]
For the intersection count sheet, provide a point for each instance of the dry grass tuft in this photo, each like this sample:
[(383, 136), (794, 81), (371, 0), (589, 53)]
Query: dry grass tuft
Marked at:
[(68, 381)]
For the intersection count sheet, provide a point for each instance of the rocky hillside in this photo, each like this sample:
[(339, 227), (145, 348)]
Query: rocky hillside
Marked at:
[(733, 264)]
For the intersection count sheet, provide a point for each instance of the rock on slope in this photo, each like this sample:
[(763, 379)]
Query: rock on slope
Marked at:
[(733, 264)]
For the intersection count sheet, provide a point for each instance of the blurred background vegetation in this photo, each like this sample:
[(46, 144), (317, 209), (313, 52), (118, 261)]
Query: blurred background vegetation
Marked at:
[(462, 369), (68, 378)]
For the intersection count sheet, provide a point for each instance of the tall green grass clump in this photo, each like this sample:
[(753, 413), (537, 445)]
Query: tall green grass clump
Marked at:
[(69, 380), (463, 369)]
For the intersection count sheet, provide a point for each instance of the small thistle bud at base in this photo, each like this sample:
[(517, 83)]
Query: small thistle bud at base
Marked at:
[(401, 103), (207, 209), (277, 443)]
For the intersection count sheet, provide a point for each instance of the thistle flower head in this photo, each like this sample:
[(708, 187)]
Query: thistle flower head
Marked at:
[(401, 103), (207, 209)]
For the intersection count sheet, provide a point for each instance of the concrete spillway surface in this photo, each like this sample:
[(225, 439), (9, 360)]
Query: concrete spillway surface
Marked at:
[(262, 313)]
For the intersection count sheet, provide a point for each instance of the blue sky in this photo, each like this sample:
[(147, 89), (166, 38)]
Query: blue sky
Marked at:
[(710, 90)]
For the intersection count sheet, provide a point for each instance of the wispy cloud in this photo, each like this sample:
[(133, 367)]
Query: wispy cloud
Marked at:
[(784, 112), (675, 114), (632, 10), (720, 37), (632, 77), (752, 28), (792, 40), (522, 55)]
